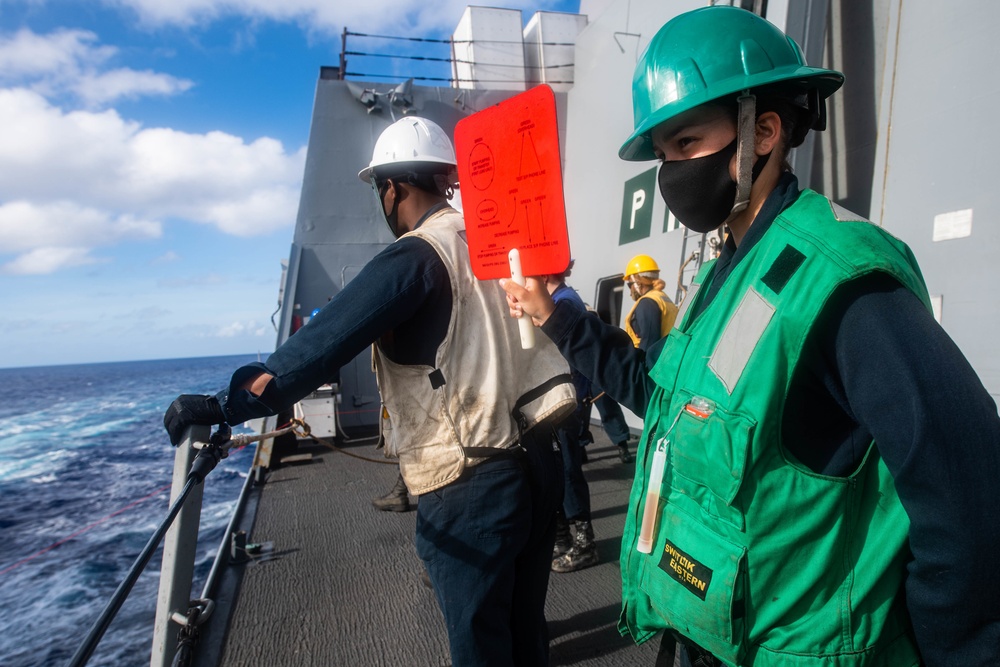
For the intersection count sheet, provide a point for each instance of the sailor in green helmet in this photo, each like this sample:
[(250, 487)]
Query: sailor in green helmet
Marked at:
[(814, 485)]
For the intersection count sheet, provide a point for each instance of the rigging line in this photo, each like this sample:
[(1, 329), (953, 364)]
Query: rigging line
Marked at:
[(358, 412), (84, 529), (450, 60), (440, 78), (456, 41), (341, 450)]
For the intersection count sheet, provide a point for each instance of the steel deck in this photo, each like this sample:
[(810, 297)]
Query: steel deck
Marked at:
[(341, 583)]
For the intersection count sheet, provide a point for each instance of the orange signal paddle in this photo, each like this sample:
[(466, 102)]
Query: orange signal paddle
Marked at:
[(510, 179)]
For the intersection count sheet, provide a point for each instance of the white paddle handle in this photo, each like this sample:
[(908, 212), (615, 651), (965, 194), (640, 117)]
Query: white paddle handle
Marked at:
[(524, 323)]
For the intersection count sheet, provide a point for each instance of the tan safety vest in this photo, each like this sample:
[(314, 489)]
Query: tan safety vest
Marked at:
[(431, 415)]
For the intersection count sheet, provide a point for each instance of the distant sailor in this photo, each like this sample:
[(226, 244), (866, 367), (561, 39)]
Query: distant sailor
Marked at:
[(469, 416), (652, 317), (822, 459)]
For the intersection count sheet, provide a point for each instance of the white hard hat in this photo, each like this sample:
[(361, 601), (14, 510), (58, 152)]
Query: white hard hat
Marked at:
[(407, 141)]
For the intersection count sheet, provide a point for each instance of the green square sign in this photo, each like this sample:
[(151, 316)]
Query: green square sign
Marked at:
[(637, 207)]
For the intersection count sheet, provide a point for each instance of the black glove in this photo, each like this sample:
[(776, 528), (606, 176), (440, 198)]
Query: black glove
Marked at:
[(188, 410)]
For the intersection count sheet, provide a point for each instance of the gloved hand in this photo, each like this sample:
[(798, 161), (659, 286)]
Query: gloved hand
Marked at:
[(188, 410)]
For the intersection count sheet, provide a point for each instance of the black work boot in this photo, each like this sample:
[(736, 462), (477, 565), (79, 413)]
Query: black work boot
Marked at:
[(582, 554), (623, 454), (564, 540), (397, 500)]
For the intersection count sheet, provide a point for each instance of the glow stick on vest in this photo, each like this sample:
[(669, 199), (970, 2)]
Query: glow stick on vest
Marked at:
[(524, 323), (645, 542)]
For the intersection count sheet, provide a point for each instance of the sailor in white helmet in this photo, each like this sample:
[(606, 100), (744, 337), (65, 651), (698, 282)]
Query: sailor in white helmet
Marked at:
[(467, 412)]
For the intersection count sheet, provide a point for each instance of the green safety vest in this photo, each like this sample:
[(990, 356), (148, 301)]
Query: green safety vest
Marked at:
[(754, 557)]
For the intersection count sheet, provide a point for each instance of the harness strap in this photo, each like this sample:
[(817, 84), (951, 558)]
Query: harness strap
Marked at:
[(493, 452), (533, 394), (744, 151), (517, 451)]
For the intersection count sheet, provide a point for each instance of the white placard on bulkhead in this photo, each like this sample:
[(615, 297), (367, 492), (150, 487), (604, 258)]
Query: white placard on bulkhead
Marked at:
[(953, 225)]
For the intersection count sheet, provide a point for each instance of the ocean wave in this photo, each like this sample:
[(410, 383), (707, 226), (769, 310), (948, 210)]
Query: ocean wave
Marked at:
[(10, 428), (105, 406), (103, 427), (37, 464)]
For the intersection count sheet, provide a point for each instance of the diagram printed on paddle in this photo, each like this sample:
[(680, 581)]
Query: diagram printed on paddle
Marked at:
[(528, 168), (511, 184)]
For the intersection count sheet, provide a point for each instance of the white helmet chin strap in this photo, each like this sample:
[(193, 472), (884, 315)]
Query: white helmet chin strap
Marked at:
[(744, 152)]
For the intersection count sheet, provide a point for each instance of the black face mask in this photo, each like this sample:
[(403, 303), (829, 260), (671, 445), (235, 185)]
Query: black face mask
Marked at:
[(699, 191), (392, 217)]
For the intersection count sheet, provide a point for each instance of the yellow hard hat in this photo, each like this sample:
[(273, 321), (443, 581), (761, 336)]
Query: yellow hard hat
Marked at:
[(640, 264)]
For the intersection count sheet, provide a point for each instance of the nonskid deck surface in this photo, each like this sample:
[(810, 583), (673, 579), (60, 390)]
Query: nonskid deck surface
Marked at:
[(342, 583)]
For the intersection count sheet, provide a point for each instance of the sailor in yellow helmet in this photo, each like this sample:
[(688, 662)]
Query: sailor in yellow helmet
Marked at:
[(652, 317)]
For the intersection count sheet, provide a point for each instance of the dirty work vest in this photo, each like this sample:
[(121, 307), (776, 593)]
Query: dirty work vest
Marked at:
[(431, 414), (754, 557), (668, 312)]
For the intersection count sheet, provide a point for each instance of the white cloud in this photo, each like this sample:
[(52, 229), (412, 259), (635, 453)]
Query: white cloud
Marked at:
[(46, 260), (399, 16), (235, 329), (257, 213), (72, 62), (26, 54), (242, 188), (94, 178), (166, 258), (100, 89), (25, 226)]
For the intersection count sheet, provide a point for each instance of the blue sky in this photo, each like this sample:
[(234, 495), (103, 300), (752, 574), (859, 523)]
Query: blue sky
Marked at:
[(151, 156)]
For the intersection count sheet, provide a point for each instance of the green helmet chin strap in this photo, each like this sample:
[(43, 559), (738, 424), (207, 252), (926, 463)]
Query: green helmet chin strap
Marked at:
[(745, 145)]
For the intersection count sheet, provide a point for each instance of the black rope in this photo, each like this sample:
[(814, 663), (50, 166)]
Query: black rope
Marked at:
[(448, 60), (390, 55), (455, 41), (436, 78)]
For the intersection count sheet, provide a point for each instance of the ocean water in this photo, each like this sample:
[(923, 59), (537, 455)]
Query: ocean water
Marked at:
[(79, 444)]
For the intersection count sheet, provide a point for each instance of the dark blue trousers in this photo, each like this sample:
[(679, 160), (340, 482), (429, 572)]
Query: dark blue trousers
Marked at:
[(576, 493), (486, 540), (612, 419)]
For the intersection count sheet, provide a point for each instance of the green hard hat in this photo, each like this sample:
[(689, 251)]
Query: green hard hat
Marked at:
[(714, 52)]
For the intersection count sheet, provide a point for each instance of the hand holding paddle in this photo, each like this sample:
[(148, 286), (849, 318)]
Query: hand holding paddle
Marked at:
[(530, 301)]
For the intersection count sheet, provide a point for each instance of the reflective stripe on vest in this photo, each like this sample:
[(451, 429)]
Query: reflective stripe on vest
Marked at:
[(740, 338)]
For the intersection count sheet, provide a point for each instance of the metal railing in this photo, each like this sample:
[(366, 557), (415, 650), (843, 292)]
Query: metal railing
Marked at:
[(177, 615)]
